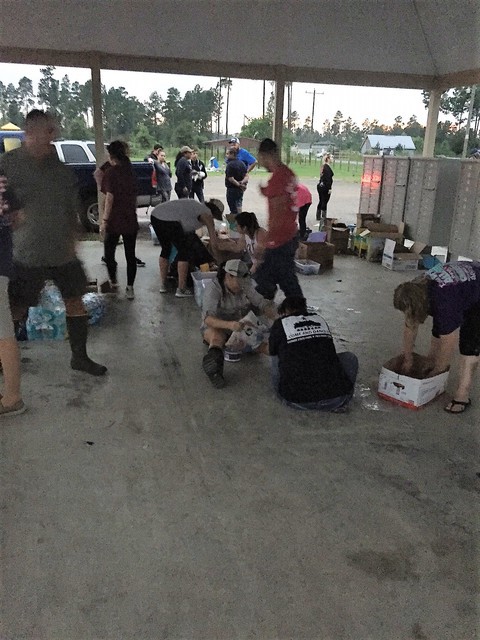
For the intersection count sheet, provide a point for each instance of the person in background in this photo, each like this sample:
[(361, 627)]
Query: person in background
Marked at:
[(324, 188), (307, 372), (175, 223), (243, 155), (11, 402), (253, 237), (230, 297), (120, 216), (183, 171), (235, 173), (450, 293), (277, 266), (45, 245), (199, 175), (304, 200), (98, 175), (153, 155), (162, 176)]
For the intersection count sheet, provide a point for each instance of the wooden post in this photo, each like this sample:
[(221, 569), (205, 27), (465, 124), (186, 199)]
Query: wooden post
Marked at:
[(432, 121), (278, 117), (98, 128)]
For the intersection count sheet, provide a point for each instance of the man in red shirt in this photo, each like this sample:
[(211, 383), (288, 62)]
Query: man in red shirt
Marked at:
[(281, 243)]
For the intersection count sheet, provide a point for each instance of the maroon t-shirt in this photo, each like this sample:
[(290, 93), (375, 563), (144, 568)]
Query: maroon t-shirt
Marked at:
[(120, 181)]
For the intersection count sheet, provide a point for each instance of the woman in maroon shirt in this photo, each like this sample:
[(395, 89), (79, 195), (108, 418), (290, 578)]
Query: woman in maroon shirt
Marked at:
[(120, 216)]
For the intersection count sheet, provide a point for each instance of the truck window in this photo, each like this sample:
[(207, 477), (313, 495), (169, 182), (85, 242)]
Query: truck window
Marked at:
[(91, 146), (74, 153)]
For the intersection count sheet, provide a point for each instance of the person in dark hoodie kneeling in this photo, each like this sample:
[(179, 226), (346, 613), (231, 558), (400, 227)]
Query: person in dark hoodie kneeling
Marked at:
[(307, 372)]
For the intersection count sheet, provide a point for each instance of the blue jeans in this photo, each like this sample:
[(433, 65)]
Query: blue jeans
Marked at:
[(349, 362), (278, 267), (235, 199)]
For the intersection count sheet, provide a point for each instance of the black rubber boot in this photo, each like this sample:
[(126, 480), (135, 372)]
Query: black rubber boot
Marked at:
[(77, 334), (213, 366)]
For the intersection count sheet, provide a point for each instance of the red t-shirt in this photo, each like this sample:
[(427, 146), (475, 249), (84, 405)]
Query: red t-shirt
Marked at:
[(281, 192), (120, 181)]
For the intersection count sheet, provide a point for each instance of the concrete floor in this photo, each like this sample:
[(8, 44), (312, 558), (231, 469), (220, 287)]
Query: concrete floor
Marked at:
[(148, 505)]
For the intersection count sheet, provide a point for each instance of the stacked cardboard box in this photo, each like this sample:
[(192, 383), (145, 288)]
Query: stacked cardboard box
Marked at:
[(322, 252), (339, 236)]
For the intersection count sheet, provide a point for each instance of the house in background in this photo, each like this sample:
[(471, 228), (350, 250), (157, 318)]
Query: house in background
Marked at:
[(387, 145)]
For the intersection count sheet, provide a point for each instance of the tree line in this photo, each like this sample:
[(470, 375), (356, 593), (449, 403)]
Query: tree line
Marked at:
[(195, 117)]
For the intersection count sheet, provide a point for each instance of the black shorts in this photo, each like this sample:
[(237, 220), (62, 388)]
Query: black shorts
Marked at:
[(170, 233), (27, 282), (470, 332)]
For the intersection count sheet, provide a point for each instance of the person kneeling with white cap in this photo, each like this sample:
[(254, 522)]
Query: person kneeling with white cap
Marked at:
[(230, 297)]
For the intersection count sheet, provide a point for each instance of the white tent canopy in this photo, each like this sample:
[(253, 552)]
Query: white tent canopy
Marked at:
[(397, 43), (422, 44)]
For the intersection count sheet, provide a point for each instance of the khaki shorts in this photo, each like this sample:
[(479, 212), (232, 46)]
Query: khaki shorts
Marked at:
[(6, 322)]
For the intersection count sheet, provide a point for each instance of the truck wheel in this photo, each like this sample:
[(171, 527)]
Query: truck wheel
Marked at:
[(89, 214)]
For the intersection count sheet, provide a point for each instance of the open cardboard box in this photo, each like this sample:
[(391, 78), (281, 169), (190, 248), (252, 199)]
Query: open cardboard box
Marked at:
[(397, 257), (375, 240), (411, 391)]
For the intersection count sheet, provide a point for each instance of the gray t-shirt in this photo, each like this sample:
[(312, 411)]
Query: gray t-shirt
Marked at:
[(47, 191), (232, 306), (185, 211)]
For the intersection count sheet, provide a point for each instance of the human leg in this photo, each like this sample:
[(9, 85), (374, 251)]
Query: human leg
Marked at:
[(302, 219), (161, 230), (469, 344), (212, 362), (71, 280), (284, 263), (11, 403), (110, 245), (129, 242), (265, 275)]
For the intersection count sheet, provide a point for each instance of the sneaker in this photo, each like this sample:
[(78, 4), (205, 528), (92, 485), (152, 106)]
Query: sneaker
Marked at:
[(15, 410), (183, 293), (163, 288), (140, 263), (129, 293)]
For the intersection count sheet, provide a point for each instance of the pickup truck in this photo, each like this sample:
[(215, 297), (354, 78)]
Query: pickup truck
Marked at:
[(80, 156)]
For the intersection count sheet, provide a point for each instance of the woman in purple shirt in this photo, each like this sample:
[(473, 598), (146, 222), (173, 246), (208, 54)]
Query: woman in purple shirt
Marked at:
[(450, 293)]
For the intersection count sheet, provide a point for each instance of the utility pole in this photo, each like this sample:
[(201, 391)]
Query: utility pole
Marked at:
[(469, 119), (263, 112), (314, 93), (289, 115)]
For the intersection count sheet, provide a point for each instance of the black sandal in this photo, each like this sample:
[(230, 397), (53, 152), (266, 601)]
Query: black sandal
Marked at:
[(457, 403)]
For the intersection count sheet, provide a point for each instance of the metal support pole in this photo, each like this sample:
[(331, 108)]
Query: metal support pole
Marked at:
[(278, 117), (432, 121)]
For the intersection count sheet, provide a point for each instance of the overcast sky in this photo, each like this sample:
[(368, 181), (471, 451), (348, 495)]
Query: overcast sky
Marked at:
[(246, 95)]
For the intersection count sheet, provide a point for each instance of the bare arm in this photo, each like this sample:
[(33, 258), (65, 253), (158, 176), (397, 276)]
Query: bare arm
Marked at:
[(409, 337), (107, 211), (441, 351)]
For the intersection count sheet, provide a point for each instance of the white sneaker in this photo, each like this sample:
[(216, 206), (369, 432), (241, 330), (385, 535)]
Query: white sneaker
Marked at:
[(163, 288), (129, 293), (183, 293)]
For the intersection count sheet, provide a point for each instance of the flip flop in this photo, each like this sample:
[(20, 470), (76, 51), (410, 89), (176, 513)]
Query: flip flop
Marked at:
[(459, 403)]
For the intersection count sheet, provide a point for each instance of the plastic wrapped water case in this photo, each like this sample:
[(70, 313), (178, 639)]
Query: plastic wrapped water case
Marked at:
[(47, 321), (202, 280)]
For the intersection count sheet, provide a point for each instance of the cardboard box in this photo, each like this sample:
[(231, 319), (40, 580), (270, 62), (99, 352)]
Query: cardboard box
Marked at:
[(375, 241), (397, 257), (340, 237), (408, 391), (307, 267), (363, 218), (321, 252)]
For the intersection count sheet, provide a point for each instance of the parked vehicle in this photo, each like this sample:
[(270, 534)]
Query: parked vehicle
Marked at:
[(80, 156)]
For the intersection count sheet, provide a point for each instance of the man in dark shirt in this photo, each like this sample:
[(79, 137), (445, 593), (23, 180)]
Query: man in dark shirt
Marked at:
[(235, 173), (183, 171), (307, 372)]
